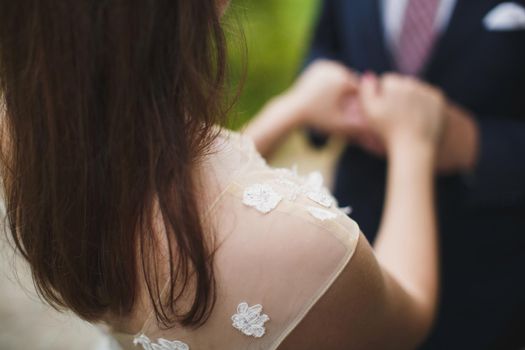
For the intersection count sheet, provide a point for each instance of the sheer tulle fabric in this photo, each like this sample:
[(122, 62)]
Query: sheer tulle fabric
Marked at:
[(281, 242)]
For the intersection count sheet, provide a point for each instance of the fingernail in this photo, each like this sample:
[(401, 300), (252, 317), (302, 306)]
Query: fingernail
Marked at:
[(368, 75)]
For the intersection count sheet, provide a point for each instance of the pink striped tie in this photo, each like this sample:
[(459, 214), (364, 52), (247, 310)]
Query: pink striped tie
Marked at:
[(417, 36)]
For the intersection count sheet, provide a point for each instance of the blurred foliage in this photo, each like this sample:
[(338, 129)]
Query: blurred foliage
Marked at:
[(267, 40)]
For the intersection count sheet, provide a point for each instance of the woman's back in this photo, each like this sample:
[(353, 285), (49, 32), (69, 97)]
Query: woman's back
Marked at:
[(280, 243)]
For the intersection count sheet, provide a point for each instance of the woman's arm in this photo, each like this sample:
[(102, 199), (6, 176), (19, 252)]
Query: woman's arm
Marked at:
[(408, 115), (406, 245), (274, 122), (387, 299)]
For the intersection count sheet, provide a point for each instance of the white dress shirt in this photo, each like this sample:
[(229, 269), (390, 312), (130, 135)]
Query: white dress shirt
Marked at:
[(394, 13)]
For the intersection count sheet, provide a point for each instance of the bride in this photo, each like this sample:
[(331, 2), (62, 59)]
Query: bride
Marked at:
[(135, 211)]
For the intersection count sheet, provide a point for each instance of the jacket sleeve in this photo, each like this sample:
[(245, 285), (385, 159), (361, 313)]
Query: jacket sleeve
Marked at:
[(499, 177), (324, 45), (325, 38)]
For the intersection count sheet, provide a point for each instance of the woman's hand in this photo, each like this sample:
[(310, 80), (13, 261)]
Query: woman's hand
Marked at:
[(324, 95), (322, 98), (402, 110)]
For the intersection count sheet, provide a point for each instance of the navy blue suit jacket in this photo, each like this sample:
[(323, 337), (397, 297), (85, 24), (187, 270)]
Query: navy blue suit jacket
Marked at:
[(482, 215)]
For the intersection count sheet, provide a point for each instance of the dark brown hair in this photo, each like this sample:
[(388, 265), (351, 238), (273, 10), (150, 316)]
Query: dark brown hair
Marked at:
[(109, 106)]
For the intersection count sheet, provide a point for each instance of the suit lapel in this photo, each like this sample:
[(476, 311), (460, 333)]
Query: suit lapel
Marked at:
[(369, 22), (383, 49), (465, 23)]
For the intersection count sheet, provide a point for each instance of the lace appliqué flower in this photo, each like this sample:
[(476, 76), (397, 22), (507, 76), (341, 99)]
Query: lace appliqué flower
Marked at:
[(162, 344), (249, 320), (321, 214), (346, 210), (315, 191), (320, 197), (314, 180), (261, 197), (310, 186)]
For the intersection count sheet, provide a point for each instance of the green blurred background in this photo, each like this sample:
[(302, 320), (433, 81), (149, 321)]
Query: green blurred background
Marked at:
[(269, 37)]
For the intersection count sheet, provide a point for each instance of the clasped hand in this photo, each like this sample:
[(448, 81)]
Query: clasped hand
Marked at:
[(377, 113)]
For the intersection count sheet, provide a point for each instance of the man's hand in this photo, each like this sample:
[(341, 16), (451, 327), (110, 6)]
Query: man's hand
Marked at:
[(459, 146)]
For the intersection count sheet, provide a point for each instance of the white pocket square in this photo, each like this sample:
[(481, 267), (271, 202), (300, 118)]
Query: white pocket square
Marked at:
[(505, 17)]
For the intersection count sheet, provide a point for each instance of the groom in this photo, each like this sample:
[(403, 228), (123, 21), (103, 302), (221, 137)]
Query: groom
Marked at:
[(474, 50)]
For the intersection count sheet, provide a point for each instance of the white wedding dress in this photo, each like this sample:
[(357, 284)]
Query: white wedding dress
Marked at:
[(282, 241)]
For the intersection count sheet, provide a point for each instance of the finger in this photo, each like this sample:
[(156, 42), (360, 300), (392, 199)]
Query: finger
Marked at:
[(369, 90), (351, 81), (392, 81), (352, 113)]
